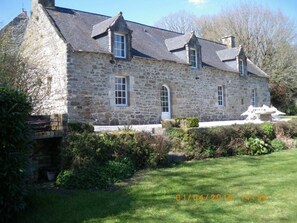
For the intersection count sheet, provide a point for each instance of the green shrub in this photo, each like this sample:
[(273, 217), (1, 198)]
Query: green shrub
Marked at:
[(15, 138), (96, 176), (119, 170), (256, 146), (169, 123), (82, 148), (286, 129), (268, 130), (97, 161), (278, 145), (192, 122), (80, 127)]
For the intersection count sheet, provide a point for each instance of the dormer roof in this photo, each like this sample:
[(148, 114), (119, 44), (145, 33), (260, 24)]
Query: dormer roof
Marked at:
[(179, 42), (230, 53), (104, 26)]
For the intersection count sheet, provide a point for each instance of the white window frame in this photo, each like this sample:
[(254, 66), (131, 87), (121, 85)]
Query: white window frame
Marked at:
[(121, 91), (193, 61), (221, 98), (119, 47), (254, 97), (241, 67)]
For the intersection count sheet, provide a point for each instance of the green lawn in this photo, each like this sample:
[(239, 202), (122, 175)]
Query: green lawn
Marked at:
[(152, 197)]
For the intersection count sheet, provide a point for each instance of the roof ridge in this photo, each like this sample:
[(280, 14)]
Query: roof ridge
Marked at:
[(108, 17)]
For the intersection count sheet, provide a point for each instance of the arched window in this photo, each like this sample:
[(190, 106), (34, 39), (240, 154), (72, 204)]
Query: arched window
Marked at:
[(165, 102)]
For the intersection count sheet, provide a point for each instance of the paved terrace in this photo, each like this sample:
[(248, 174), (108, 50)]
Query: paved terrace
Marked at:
[(158, 127)]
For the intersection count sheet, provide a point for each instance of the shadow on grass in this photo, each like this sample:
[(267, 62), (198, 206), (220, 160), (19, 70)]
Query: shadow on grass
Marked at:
[(153, 197)]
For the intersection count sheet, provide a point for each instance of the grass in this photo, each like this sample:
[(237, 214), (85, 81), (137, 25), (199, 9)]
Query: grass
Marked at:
[(289, 117), (152, 198)]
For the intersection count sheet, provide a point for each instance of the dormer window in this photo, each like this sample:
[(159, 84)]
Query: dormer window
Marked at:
[(241, 67), (193, 58), (119, 46), (116, 32)]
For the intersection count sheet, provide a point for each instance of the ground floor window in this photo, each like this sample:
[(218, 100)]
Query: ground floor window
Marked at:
[(165, 99), (221, 96), (254, 97), (121, 93)]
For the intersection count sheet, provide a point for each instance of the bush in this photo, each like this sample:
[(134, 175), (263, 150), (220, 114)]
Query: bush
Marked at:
[(80, 127), (192, 122), (268, 130), (278, 145), (256, 146), (95, 176), (15, 141), (97, 161)]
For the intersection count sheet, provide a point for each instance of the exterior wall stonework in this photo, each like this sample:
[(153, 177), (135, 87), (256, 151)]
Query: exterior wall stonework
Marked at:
[(91, 80), (47, 51), (82, 84)]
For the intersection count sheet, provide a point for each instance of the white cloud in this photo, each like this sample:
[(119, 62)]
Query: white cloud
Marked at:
[(197, 2)]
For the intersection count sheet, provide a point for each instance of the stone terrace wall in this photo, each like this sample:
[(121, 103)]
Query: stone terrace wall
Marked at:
[(91, 81), (47, 51)]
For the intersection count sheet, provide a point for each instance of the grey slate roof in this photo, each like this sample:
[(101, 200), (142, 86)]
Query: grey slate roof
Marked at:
[(14, 32), (228, 54), (102, 27), (149, 42), (178, 42)]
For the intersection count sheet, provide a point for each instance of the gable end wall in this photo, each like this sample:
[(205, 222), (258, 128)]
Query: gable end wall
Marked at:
[(46, 50)]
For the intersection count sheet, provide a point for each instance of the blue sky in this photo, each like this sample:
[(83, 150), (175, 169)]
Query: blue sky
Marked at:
[(144, 11)]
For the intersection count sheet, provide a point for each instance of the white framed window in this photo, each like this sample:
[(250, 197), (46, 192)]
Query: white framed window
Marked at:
[(121, 91), (254, 97), (165, 99), (241, 67), (193, 57), (119, 45), (221, 96)]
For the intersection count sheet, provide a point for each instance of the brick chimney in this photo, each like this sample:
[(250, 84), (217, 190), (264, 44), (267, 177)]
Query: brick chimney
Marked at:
[(45, 3), (229, 41)]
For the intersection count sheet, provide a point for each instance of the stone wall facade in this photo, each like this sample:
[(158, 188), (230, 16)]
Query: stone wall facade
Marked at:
[(82, 84), (193, 93), (47, 51)]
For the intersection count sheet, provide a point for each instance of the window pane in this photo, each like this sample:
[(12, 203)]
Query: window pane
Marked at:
[(119, 46), (120, 91)]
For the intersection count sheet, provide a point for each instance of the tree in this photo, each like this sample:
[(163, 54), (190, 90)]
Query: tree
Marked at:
[(180, 22), (15, 141), (19, 74), (267, 36)]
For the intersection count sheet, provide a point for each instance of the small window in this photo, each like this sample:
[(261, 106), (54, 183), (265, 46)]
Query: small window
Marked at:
[(241, 67), (121, 93), (221, 96), (119, 45), (164, 99), (193, 58), (254, 97)]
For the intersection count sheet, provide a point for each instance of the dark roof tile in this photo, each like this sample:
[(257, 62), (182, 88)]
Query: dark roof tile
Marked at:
[(79, 27)]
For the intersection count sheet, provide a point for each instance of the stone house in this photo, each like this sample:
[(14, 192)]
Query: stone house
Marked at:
[(109, 71)]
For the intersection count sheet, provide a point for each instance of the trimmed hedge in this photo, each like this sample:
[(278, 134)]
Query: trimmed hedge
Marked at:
[(233, 140), (15, 141)]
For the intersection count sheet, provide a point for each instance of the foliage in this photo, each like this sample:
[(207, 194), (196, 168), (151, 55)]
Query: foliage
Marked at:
[(16, 72), (267, 37), (97, 161), (231, 140), (151, 197), (278, 145), (80, 127), (256, 146), (268, 130), (15, 141)]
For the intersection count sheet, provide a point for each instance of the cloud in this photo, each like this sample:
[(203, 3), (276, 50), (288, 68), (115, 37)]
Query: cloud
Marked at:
[(197, 2)]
